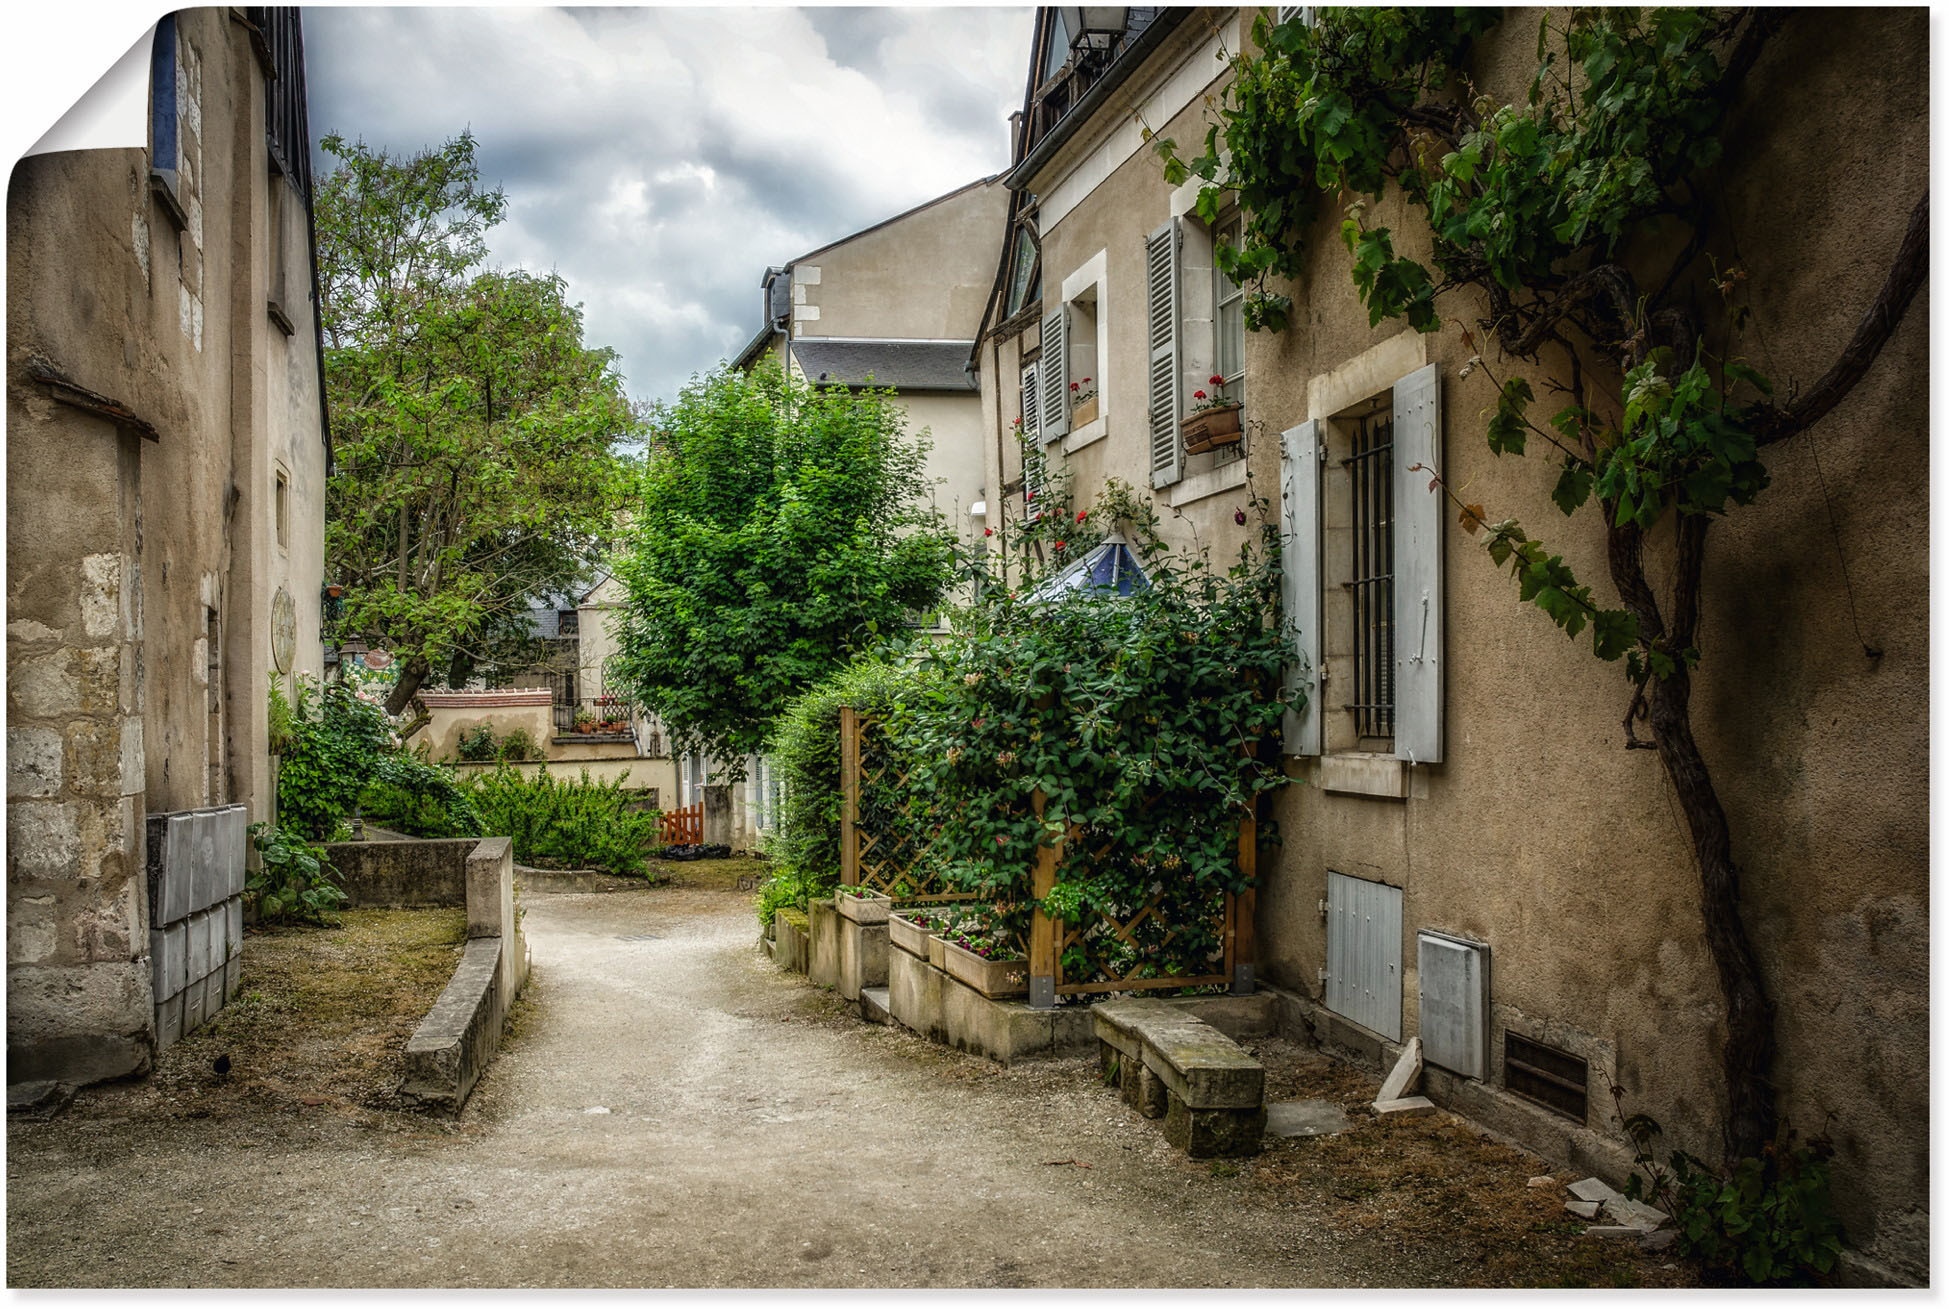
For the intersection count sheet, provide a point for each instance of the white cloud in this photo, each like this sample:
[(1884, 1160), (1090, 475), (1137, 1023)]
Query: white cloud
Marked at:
[(661, 159)]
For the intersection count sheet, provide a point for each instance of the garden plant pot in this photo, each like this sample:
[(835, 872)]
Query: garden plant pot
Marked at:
[(867, 910), (1084, 412), (1208, 429), (908, 935), (994, 978)]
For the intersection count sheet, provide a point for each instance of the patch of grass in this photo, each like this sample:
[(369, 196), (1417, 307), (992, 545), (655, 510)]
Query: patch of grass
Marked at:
[(739, 873), (321, 1013)]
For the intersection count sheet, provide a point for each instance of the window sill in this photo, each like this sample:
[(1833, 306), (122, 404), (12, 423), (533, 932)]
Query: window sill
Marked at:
[(1216, 481), (1088, 434)]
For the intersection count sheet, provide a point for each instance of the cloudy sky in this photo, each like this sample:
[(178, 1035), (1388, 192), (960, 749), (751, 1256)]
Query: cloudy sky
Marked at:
[(661, 159)]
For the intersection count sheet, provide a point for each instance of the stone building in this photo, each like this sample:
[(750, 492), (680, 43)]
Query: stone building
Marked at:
[(1493, 812), (166, 463)]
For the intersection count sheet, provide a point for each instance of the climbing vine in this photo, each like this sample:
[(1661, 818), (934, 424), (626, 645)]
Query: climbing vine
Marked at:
[(1540, 213)]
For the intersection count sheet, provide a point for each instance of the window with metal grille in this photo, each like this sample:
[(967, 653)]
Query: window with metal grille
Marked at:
[(1555, 1079), (287, 131), (1370, 470)]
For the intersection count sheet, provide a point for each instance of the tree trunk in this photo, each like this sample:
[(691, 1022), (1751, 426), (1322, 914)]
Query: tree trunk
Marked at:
[(1748, 1056), (1747, 1059), (411, 674)]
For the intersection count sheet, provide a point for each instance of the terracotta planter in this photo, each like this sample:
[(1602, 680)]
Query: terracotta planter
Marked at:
[(1083, 412), (908, 935), (867, 910), (994, 978), (1208, 429)]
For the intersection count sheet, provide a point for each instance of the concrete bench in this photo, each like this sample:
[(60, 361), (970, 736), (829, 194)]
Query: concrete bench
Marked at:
[(1171, 1065)]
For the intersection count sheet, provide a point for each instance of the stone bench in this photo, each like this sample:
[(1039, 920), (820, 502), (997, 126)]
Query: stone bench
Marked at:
[(1171, 1065)]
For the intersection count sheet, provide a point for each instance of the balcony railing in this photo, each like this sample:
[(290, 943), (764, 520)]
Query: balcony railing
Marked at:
[(602, 716)]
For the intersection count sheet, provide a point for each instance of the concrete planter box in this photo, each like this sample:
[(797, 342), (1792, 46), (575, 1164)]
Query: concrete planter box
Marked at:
[(1082, 413), (937, 952), (868, 910), (994, 978), (908, 935), (789, 932)]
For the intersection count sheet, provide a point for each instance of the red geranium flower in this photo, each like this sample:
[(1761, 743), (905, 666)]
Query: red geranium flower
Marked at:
[(1075, 386), (987, 531), (1059, 545), (1081, 514), (1197, 395), (1217, 379)]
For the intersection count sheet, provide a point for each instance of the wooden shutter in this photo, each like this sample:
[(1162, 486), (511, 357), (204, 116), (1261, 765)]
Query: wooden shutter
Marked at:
[(1165, 372), (1299, 555), (1419, 513), (1054, 367), (1032, 457)]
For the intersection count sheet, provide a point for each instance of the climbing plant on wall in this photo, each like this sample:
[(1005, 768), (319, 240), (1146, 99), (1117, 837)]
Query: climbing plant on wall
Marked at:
[(1535, 214)]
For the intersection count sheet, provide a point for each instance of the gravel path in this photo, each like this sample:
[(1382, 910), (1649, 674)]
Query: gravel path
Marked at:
[(670, 1111)]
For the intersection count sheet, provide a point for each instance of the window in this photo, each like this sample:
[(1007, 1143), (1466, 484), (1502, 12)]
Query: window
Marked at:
[(281, 510), (1023, 283), (1363, 584), (1228, 314), (165, 126)]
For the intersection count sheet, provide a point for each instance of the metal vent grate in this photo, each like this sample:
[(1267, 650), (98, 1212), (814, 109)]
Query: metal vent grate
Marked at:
[(1555, 1079)]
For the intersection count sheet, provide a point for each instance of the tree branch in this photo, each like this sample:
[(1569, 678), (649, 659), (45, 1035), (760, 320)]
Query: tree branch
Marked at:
[(1905, 277)]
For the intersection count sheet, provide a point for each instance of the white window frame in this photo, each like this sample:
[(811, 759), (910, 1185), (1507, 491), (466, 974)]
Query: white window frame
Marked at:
[(1085, 350)]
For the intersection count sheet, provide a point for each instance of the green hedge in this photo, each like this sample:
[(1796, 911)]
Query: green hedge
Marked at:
[(574, 824)]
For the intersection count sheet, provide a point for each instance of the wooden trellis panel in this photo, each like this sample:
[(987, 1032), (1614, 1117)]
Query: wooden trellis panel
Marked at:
[(880, 844)]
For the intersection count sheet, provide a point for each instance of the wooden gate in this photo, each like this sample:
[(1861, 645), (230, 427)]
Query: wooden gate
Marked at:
[(684, 826)]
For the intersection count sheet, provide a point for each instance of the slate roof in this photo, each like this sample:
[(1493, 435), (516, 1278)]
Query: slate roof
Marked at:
[(903, 365)]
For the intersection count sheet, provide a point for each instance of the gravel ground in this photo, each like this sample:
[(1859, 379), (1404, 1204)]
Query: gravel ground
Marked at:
[(669, 1110)]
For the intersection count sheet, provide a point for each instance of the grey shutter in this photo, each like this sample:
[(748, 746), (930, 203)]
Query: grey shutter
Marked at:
[(1054, 367), (1031, 401), (1165, 386), (1419, 513), (1299, 555)]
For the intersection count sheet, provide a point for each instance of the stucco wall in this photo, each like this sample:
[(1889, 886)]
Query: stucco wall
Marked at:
[(1539, 833), (923, 276), (120, 550)]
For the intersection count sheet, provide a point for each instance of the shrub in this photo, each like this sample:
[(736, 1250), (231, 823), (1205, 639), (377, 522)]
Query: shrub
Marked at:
[(293, 880), (477, 744), (805, 751), (413, 795), (583, 824), (331, 754), (517, 747)]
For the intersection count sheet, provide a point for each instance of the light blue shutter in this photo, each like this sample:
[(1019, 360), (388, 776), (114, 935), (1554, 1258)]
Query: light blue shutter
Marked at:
[(1165, 383), (1031, 402), (1419, 513), (1054, 367), (1033, 463), (1299, 554)]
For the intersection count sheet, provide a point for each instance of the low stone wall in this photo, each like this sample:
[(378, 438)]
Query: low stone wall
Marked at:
[(460, 1035), (403, 874)]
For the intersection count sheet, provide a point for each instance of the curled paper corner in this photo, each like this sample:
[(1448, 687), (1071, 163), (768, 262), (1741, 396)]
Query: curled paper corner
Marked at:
[(113, 114)]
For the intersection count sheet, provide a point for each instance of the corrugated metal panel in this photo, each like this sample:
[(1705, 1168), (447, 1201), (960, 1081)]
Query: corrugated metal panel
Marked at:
[(1420, 511), (1299, 510), (1454, 985), (1363, 953)]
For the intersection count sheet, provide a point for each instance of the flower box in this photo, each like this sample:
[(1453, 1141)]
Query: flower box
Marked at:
[(1083, 412), (995, 978), (868, 909), (937, 952), (1208, 429), (908, 935)]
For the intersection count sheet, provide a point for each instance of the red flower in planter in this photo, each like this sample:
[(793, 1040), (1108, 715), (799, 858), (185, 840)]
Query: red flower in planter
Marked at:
[(1197, 395), (1075, 386), (1217, 379)]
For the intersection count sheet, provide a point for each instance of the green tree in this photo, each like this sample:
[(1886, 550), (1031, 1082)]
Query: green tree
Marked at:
[(1539, 214), (477, 442), (779, 530)]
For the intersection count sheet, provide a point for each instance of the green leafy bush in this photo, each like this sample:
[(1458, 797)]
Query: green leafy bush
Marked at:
[(332, 748), (517, 747), (1140, 719), (1769, 1220), (581, 824), (293, 880), (477, 744), (805, 752), (420, 798)]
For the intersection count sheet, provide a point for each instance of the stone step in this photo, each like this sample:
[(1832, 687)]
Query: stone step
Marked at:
[(874, 1005)]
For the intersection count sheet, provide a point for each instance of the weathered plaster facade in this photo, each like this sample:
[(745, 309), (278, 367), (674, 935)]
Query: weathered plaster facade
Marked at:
[(1538, 833), (147, 552)]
